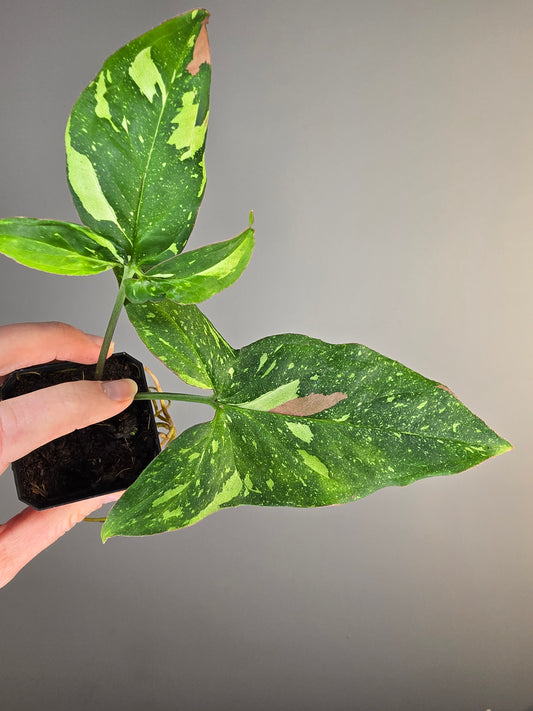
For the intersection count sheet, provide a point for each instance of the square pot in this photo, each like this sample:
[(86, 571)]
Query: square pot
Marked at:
[(100, 459)]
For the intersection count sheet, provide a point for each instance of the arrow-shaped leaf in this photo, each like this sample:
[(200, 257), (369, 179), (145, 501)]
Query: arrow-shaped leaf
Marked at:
[(57, 247), (306, 423), (192, 277), (135, 140)]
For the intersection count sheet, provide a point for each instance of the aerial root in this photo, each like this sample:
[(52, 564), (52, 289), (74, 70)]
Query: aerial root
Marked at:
[(165, 427)]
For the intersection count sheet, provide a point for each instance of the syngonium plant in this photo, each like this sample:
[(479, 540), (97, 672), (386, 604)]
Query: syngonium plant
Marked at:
[(297, 421)]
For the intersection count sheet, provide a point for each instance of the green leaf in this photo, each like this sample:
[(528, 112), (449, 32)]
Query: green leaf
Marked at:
[(185, 341), (306, 423), (151, 504), (57, 247), (192, 277), (135, 140)]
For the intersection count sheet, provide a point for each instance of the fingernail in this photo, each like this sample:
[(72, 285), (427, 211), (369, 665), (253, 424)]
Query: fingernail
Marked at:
[(120, 390)]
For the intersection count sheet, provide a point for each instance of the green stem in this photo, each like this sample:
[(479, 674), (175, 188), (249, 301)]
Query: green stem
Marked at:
[(117, 308), (183, 397)]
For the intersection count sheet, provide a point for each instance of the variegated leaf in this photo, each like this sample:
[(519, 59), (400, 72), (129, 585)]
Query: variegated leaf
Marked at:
[(185, 341), (194, 476), (57, 247), (135, 140), (301, 422), (192, 277)]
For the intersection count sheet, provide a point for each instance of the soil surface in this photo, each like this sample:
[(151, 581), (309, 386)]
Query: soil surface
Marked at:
[(99, 459)]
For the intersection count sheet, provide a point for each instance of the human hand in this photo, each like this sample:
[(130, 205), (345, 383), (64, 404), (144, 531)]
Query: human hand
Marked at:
[(31, 420)]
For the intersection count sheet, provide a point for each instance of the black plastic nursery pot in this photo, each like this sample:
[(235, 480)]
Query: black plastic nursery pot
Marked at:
[(95, 460)]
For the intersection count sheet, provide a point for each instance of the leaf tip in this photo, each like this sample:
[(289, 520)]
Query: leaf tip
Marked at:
[(104, 534), (505, 446), (201, 52)]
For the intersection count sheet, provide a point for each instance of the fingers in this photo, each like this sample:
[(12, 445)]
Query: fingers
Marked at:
[(26, 344), (29, 421), (30, 532)]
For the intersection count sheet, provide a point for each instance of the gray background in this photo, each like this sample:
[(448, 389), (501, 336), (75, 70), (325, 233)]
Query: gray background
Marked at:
[(387, 150)]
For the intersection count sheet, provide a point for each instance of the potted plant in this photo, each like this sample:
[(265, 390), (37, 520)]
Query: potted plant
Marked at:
[(296, 421)]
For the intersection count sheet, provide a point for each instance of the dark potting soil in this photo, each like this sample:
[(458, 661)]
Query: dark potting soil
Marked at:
[(98, 459)]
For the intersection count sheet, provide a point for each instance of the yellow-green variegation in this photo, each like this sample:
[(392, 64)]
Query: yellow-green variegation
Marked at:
[(194, 276), (58, 247), (135, 140), (135, 144), (298, 422), (185, 341)]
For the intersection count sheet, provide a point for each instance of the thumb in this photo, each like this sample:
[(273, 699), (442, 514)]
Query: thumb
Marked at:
[(31, 420)]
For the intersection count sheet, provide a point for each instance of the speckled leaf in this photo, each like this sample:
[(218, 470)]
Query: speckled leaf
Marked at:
[(192, 277), (306, 423), (193, 477), (185, 341), (57, 247), (135, 140)]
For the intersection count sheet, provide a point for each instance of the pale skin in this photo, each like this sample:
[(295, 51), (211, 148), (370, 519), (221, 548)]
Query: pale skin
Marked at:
[(31, 420)]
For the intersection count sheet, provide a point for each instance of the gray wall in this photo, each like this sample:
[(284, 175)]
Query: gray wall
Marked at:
[(386, 148)]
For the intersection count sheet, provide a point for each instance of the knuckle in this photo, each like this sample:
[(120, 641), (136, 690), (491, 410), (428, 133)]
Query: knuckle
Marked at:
[(63, 329)]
